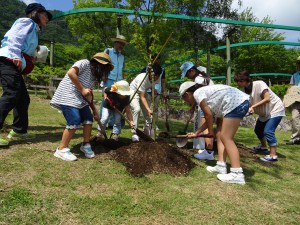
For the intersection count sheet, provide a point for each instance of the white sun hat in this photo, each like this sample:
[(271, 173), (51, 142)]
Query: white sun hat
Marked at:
[(185, 86), (121, 87)]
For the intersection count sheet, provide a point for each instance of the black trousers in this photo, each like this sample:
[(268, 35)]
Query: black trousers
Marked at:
[(15, 96)]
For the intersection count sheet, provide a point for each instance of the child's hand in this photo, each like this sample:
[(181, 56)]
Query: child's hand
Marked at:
[(132, 124), (87, 93)]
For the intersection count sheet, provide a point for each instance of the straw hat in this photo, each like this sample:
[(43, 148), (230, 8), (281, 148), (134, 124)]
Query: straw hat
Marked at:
[(119, 38), (121, 87), (103, 58)]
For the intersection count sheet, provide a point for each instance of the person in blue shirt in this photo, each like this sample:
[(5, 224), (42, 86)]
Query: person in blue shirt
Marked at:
[(118, 61), (17, 58)]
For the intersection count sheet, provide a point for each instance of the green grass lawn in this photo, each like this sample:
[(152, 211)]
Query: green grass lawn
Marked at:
[(37, 188)]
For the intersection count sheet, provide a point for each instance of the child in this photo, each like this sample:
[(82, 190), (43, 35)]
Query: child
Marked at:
[(69, 98), (17, 58), (117, 96), (225, 102), (199, 76), (140, 85), (270, 109)]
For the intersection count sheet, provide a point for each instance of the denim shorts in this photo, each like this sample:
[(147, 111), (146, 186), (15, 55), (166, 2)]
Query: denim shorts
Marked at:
[(240, 111), (75, 117)]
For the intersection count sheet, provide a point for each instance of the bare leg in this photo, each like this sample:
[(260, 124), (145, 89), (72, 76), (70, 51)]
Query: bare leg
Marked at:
[(221, 148), (66, 138), (87, 130), (229, 128)]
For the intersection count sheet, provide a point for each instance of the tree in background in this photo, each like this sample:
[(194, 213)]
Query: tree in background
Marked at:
[(260, 58)]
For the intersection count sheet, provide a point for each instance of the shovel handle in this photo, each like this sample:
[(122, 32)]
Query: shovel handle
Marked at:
[(198, 135)]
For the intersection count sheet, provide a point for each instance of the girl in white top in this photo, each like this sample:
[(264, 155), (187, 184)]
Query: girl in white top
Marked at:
[(199, 76), (270, 109), (230, 105)]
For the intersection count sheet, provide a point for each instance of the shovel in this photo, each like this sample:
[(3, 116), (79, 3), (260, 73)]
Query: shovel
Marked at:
[(140, 133), (92, 106), (181, 140), (186, 125), (166, 111)]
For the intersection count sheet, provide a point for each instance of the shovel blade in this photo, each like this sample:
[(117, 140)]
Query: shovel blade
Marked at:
[(181, 142), (144, 136)]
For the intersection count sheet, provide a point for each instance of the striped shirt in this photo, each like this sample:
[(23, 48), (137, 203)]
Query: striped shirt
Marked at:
[(67, 93)]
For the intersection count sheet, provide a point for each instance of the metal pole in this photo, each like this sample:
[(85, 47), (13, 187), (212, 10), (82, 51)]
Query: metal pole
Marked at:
[(228, 60), (208, 62), (51, 53)]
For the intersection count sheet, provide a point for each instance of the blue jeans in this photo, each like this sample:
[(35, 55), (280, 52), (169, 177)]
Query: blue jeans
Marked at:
[(267, 129), (75, 117), (240, 111), (106, 113), (107, 84)]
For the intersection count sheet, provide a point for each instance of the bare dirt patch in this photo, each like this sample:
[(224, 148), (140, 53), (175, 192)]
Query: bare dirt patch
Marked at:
[(144, 158)]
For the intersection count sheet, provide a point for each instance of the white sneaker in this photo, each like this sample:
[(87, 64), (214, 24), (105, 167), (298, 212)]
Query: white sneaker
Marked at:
[(200, 151), (115, 137), (232, 177), (87, 150), (135, 138), (65, 154), (204, 155), (219, 168)]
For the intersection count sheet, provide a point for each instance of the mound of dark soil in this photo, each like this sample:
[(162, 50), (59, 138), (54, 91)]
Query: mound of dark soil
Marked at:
[(149, 157)]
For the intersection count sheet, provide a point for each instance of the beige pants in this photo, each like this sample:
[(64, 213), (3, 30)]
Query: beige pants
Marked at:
[(295, 121), (156, 102), (136, 107)]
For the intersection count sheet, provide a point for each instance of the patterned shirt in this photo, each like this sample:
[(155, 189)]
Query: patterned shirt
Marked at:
[(67, 93), (221, 99)]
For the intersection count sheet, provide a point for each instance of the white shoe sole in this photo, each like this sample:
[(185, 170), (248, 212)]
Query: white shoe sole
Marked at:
[(213, 171), (209, 159), (88, 156), (63, 158)]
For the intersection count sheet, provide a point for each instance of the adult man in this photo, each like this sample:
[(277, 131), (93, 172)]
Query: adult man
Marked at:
[(295, 107), (17, 58), (118, 62)]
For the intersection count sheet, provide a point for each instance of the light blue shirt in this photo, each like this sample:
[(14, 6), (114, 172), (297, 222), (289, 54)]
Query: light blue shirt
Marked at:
[(22, 37), (118, 61), (295, 80)]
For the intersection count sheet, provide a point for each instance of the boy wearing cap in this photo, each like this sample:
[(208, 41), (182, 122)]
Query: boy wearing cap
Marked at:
[(199, 76), (17, 58), (70, 98), (228, 104), (295, 107), (116, 97)]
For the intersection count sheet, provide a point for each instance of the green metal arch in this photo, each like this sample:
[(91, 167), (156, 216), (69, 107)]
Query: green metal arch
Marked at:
[(252, 75), (172, 16)]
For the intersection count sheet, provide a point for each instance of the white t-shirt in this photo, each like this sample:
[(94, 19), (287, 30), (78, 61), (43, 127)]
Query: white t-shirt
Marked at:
[(67, 93), (201, 80), (145, 85), (221, 99), (272, 109)]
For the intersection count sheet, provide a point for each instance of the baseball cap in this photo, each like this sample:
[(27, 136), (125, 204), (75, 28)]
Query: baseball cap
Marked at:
[(185, 67), (185, 86)]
